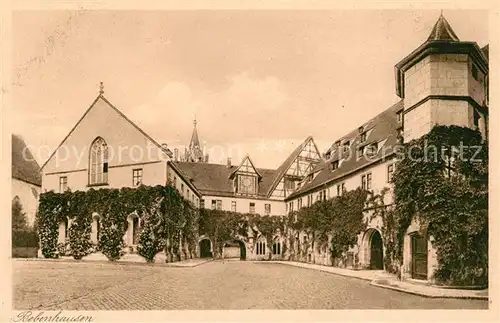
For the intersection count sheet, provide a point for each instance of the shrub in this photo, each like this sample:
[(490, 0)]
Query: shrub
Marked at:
[(79, 238), (62, 250), (111, 242), (24, 238), (149, 242)]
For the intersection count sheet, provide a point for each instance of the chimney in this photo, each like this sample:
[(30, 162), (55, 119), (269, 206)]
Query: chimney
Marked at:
[(228, 162), (176, 154)]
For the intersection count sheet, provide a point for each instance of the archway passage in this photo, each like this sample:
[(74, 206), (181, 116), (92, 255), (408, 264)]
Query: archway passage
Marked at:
[(205, 249), (235, 249), (418, 256), (376, 251)]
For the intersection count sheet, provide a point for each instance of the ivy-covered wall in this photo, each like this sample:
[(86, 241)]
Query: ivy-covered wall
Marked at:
[(440, 181)]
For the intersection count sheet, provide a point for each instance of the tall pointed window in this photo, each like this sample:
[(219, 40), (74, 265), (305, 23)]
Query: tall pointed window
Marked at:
[(98, 173)]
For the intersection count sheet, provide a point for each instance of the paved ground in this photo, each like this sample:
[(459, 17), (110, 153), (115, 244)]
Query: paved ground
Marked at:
[(213, 285)]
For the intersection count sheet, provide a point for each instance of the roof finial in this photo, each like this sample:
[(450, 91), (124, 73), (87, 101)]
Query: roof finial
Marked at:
[(441, 13), (194, 121), (101, 88)]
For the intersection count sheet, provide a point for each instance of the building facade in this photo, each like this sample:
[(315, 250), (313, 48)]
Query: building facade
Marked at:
[(442, 82)]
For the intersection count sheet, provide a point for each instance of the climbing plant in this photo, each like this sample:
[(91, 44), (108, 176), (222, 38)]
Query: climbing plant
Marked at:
[(338, 220), (164, 214), (441, 180)]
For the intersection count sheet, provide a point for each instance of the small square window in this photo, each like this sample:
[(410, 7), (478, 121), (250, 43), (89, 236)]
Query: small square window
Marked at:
[(252, 208), (63, 184), (390, 171), (219, 204), (267, 208), (399, 116), (233, 206), (137, 177)]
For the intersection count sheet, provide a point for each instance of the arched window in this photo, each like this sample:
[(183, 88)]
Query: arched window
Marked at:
[(98, 163), (277, 246), (261, 246)]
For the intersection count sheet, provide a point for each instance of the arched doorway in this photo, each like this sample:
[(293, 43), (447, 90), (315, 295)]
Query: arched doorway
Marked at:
[(205, 248), (243, 250), (135, 230), (418, 256), (376, 251)]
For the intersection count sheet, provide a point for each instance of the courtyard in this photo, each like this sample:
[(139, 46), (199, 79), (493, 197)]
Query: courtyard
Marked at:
[(216, 285)]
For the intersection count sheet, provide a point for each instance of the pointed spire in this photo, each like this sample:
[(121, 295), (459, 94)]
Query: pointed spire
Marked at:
[(101, 88), (442, 30), (195, 141)]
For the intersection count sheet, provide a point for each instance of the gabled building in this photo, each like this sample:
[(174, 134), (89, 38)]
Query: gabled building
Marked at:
[(26, 178), (442, 82), (97, 155)]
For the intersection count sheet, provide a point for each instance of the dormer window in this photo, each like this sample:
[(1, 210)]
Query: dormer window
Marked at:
[(372, 149), (337, 143), (362, 137), (335, 165), (346, 146), (361, 151)]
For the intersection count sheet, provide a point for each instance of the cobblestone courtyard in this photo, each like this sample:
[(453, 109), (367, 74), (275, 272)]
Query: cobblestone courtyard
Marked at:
[(214, 285)]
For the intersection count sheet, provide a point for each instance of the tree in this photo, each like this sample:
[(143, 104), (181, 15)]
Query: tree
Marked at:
[(19, 221)]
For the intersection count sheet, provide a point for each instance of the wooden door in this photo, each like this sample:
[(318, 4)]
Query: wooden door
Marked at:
[(418, 257), (376, 252)]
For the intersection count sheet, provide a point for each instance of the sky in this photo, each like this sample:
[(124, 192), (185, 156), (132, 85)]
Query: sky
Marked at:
[(258, 82)]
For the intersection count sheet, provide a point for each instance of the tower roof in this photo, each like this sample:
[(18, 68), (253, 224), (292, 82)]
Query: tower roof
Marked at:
[(442, 31), (195, 141)]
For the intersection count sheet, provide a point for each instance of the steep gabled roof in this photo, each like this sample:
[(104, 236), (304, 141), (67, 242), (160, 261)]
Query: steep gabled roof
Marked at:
[(24, 165), (384, 130), (101, 97), (281, 171), (214, 179), (442, 31), (247, 157)]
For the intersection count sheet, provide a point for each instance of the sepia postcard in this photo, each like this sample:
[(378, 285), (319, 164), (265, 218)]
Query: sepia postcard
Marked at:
[(267, 161)]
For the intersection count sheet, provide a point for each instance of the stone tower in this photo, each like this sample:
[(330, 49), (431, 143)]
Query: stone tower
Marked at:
[(444, 81)]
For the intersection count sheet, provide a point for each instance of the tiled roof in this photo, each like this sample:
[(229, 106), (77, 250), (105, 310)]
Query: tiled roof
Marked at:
[(384, 131), (24, 165), (214, 178), (281, 171), (442, 31)]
